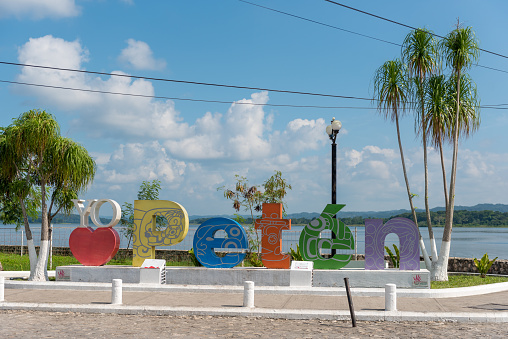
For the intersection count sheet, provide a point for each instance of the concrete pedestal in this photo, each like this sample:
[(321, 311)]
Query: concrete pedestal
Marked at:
[(358, 278), (236, 276), (106, 274)]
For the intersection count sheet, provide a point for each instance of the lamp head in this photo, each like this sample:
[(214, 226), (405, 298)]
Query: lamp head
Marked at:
[(333, 129)]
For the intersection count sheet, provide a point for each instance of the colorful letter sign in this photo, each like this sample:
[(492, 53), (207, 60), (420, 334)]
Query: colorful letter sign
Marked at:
[(271, 226), (95, 248), (205, 243), (375, 234), (311, 244), (146, 237)]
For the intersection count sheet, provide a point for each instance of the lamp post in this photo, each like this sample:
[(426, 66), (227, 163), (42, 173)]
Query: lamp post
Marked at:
[(333, 130)]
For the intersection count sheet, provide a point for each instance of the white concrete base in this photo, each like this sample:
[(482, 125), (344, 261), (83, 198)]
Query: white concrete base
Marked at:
[(106, 274), (360, 278), (178, 275), (261, 276), (300, 278)]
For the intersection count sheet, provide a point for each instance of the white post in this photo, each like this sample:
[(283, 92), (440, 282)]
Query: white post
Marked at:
[(2, 285), (390, 297), (22, 236), (248, 294), (51, 249), (356, 243), (116, 292)]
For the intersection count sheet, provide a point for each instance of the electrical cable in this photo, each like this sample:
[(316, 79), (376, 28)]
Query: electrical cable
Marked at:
[(210, 101), (320, 23), (401, 24), (184, 81), (365, 35), (181, 99)]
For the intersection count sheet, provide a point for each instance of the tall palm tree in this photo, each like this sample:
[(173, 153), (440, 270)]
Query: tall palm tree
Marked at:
[(391, 93), (460, 48), (420, 53), (438, 118)]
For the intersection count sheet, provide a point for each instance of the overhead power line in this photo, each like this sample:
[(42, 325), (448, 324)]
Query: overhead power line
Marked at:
[(360, 34), (401, 24), (185, 81), (206, 100), (180, 99), (320, 23)]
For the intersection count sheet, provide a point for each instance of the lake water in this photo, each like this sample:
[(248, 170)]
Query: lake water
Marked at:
[(466, 242)]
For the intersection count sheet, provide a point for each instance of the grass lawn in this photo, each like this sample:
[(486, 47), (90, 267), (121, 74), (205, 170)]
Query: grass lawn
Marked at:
[(15, 262), (466, 280)]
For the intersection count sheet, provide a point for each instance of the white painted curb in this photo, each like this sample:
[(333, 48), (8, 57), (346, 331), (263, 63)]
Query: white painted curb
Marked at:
[(326, 291), (301, 314)]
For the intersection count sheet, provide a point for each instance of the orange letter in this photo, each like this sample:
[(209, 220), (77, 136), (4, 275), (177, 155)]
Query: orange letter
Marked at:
[(271, 226)]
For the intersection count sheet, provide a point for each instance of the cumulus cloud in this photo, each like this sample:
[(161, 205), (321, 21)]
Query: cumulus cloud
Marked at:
[(138, 55), (239, 134), (193, 158), (119, 115), (37, 9), (135, 162), (303, 134)]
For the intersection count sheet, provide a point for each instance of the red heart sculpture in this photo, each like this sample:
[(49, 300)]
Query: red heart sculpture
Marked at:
[(94, 248)]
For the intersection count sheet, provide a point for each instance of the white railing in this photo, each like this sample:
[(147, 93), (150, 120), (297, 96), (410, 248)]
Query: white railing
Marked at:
[(9, 236)]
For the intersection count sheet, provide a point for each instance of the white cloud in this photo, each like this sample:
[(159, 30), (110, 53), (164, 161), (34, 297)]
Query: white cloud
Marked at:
[(303, 134), (135, 162), (117, 114), (193, 158), (138, 55), (38, 9), (240, 134)]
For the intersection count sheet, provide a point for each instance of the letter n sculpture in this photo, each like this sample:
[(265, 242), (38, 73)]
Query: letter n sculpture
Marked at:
[(271, 226), (375, 234)]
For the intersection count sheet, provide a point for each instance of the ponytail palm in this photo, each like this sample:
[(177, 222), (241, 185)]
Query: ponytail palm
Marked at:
[(420, 53), (460, 49), (391, 93), (438, 117)]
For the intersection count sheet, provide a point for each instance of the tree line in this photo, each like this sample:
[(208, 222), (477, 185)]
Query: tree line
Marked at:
[(461, 218)]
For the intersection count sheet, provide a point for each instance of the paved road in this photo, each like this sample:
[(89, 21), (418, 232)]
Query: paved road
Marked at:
[(33, 324)]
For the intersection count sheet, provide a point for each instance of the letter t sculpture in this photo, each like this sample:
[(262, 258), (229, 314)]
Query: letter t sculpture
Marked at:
[(271, 225)]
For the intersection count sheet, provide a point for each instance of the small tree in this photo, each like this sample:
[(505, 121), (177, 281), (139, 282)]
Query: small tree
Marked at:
[(251, 199), (148, 190)]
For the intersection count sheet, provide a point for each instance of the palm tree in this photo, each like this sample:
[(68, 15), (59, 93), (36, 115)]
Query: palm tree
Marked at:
[(420, 53), (391, 93), (438, 118), (34, 155), (460, 48)]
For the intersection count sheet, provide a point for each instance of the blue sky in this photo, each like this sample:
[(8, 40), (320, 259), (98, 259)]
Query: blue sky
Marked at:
[(195, 147)]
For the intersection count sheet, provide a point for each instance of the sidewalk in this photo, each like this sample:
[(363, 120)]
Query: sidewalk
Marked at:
[(271, 303)]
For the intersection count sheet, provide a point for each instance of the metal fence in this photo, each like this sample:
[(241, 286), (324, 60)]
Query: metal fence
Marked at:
[(9, 236)]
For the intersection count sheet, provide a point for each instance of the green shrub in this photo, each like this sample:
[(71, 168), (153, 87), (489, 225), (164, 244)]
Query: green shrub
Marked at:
[(296, 255), (395, 259), (193, 258), (484, 264)]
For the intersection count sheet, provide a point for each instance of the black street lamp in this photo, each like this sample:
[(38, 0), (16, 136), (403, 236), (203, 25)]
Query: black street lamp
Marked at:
[(333, 130)]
